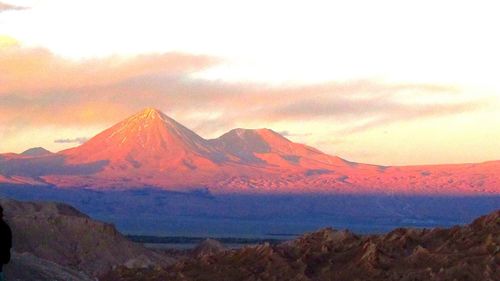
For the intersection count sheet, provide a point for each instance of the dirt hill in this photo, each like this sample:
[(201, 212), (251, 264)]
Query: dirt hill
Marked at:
[(61, 234)]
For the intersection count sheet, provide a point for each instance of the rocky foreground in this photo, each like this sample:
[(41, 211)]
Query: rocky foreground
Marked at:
[(465, 253), (53, 241), (57, 242)]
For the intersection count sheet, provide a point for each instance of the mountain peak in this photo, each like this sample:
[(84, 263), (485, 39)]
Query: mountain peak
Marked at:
[(148, 138), (247, 142), (263, 134), (258, 140), (261, 131), (36, 151), (150, 117), (150, 112)]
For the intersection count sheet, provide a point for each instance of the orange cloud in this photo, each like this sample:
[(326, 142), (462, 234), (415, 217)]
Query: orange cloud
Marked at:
[(38, 71), (40, 88), (8, 7)]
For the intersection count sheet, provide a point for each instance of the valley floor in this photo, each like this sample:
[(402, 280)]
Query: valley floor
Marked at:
[(195, 214), (54, 241)]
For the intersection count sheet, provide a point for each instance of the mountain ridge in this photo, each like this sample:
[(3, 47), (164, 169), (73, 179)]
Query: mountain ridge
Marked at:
[(150, 149)]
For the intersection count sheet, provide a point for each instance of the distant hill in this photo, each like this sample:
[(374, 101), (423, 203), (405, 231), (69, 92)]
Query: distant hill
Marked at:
[(36, 151), (465, 253), (150, 149)]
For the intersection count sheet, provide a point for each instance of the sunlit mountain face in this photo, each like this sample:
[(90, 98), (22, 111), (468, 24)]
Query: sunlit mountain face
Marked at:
[(150, 149)]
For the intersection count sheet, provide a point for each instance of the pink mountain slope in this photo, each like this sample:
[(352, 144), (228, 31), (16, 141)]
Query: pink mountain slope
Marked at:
[(149, 149), (267, 146), (147, 140)]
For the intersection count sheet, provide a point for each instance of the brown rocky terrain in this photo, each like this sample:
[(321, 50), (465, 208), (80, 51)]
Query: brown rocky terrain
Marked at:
[(466, 253), (53, 233), (208, 247), (27, 267)]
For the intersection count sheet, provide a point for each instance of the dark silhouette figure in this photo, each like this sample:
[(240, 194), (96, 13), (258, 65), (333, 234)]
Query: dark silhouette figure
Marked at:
[(5, 243)]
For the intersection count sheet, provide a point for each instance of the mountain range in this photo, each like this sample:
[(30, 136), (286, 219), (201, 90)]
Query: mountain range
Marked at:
[(151, 150)]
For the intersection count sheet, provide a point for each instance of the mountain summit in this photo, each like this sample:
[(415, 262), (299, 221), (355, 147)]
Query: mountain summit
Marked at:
[(265, 145), (146, 139), (151, 140), (36, 151), (150, 149)]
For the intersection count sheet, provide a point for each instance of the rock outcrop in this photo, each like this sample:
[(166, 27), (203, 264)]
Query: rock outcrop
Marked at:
[(61, 234), (465, 253), (27, 267), (208, 247)]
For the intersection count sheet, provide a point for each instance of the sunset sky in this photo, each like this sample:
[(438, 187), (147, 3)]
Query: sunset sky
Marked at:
[(386, 82)]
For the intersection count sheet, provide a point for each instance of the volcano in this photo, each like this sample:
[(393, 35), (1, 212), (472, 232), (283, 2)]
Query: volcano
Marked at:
[(150, 149), (147, 140)]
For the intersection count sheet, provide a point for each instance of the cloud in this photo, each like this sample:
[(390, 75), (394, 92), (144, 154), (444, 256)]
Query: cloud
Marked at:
[(374, 104), (412, 112), (339, 104), (75, 140), (8, 7), (40, 88), (50, 73), (287, 133)]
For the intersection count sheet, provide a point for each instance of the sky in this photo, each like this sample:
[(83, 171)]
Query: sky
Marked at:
[(384, 82)]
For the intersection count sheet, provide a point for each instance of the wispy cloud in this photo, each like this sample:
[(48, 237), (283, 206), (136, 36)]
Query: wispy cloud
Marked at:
[(38, 87), (287, 133), (412, 112), (75, 140), (8, 7)]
